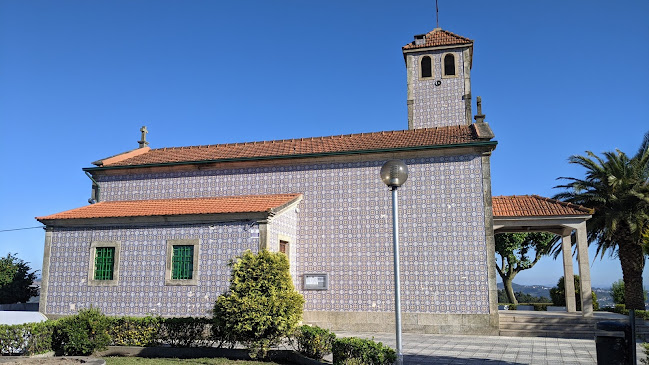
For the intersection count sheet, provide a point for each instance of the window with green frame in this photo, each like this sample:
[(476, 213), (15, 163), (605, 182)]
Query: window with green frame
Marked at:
[(104, 263), (182, 262)]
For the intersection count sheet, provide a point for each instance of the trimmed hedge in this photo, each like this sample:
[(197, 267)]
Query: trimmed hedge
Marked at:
[(155, 331), (314, 342), (135, 331), (185, 332), (621, 309), (26, 339), (353, 350)]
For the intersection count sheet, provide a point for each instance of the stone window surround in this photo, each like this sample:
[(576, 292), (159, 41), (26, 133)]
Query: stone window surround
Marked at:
[(432, 67), (457, 71), (169, 265), (91, 268)]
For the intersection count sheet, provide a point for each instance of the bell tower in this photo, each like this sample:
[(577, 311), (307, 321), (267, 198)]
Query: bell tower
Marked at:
[(438, 66)]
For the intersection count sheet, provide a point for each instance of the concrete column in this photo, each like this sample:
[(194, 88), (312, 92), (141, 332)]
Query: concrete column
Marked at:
[(494, 321), (584, 271), (568, 271)]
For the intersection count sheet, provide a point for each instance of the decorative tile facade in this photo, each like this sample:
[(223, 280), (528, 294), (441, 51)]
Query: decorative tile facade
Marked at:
[(141, 286), (436, 106), (343, 229), (284, 227)]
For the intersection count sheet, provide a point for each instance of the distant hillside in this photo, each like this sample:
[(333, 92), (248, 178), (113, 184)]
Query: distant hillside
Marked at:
[(603, 295)]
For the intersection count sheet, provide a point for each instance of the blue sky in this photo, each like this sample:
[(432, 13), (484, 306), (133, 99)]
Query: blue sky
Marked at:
[(79, 78)]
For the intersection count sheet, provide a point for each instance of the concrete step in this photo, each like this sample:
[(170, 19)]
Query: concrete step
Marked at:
[(531, 319), (584, 335), (560, 325), (546, 327)]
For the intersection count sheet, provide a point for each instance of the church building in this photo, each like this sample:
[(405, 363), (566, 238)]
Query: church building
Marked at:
[(163, 223)]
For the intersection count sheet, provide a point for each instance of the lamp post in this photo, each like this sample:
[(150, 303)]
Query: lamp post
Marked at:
[(394, 173)]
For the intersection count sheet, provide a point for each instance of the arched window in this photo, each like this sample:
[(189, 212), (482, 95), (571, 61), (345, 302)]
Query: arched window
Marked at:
[(426, 67), (449, 64)]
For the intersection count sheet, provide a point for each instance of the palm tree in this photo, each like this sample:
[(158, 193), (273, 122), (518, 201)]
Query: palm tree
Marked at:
[(617, 188)]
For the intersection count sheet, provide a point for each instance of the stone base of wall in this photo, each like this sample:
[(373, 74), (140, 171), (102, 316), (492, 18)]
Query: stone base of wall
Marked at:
[(458, 324)]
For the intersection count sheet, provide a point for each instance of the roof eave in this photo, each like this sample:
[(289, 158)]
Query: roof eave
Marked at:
[(431, 48), (487, 144), (155, 220)]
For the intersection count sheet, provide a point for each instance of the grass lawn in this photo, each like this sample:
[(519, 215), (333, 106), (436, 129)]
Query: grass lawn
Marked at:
[(163, 361)]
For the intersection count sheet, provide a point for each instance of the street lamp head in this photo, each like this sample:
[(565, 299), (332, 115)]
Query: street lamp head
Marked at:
[(394, 173)]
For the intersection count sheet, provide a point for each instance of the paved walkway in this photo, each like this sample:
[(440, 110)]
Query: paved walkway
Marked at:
[(492, 350)]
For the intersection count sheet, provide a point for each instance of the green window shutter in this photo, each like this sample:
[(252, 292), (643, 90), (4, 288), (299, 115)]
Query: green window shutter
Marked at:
[(182, 263), (104, 262)]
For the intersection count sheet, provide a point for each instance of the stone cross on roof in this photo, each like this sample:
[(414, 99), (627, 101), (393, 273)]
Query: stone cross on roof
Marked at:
[(143, 142), (479, 118)]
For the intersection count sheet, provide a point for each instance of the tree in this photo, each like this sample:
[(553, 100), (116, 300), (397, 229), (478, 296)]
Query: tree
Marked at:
[(16, 280), (515, 250), (617, 291), (558, 294), (617, 188), (261, 307)]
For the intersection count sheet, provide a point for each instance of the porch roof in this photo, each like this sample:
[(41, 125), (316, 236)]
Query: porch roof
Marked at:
[(535, 206)]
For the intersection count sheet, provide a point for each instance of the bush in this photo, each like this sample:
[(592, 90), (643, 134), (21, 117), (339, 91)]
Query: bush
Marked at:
[(152, 331), (540, 307), (313, 341), (82, 334), (185, 331), (26, 339), (617, 291), (352, 350), (559, 297), (261, 307), (135, 331)]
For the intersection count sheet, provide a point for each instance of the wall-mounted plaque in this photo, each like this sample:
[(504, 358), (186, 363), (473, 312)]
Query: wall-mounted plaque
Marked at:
[(316, 281)]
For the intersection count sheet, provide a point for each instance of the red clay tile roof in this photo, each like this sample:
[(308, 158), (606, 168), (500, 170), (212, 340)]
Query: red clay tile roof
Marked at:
[(303, 146), (534, 205), (439, 37), (172, 207)]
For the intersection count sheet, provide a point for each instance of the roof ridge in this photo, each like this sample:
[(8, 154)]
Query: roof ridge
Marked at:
[(246, 143), (449, 32), (444, 136)]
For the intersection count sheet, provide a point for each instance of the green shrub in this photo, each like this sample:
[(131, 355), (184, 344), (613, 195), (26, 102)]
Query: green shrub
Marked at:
[(540, 306), (82, 334), (261, 307), (352, 350), (559, 297), (26, 339), (152, 331), (185, 331), (313, 341), (135, 331)]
